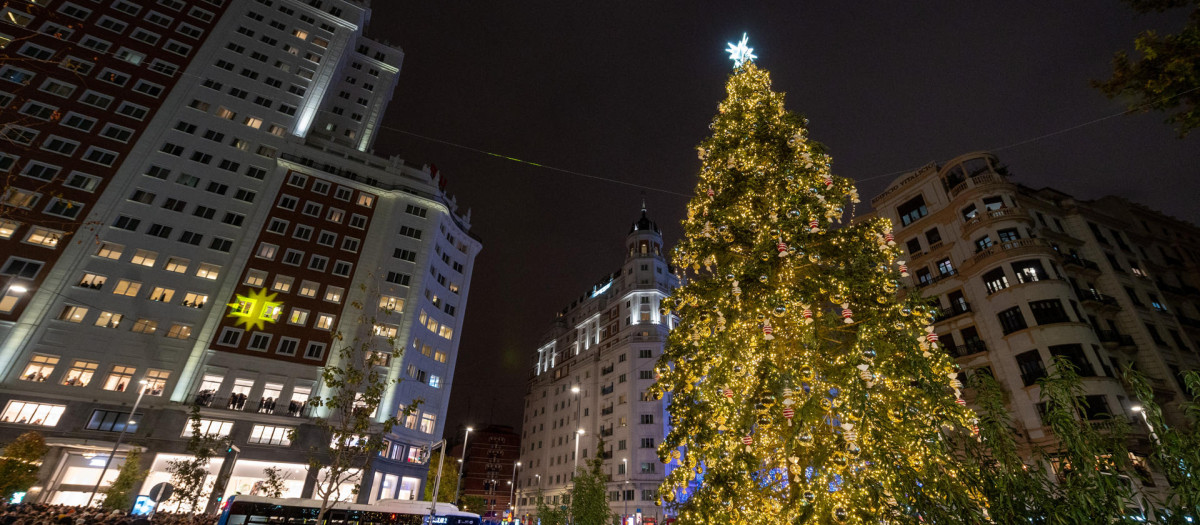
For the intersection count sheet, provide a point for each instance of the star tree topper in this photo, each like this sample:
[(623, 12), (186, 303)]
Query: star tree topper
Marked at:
[(740, 53)]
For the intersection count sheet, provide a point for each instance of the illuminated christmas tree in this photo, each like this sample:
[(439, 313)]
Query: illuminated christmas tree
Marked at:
[(802, 388)]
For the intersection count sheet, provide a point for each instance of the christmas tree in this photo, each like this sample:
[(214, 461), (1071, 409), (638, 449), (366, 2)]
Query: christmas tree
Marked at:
[(802, 388)]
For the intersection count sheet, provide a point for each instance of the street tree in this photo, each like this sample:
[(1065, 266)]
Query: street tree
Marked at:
[(189, 475), (589, 493), (272, 485), (363, 367), (802, 388), (20, 463), (1165, 75), (1176, 448), (445, 491), (119, 495)]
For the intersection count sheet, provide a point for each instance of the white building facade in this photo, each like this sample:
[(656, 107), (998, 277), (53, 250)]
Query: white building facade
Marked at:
[(589, 383), (250, 175)]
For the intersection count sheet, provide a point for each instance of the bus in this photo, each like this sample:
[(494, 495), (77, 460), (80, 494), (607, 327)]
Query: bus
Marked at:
[(257, 510)]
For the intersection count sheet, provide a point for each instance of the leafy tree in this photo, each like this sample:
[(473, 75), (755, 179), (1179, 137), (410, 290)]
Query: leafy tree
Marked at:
[(20, 462), (272, 486), (189, 476), (120, 494), (445, 491), (548, 514), (473, 503), (589, 494), (1166, 75), (1176, 447), (354, 383), (803, 390)]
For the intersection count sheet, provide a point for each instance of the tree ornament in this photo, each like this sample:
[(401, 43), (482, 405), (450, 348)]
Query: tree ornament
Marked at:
[(889, 239), (789, 413), (903, 269), (768, 330), (783, 249), (848, 432), (807, 314), (748, 440), (813, 225), (828, 181), (737, 291), (931, 337), (728, 393), (846, 314), (840, 515), (866, 375), (780, 311)]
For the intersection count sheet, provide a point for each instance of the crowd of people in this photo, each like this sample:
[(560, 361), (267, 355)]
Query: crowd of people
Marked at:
[(36, 514)]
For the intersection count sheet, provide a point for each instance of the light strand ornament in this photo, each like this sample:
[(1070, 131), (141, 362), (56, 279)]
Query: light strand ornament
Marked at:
[(255, 309), (740, 53), (802, 389)]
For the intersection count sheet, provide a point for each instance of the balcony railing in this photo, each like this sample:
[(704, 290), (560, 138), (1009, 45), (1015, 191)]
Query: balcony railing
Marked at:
[(1075, 260), (1092, 296), (606, 390), (606, 432), (956, 309), (606, 410), (1005, 246), (241, 403), (945, 275), (978, 180), (967, 348)]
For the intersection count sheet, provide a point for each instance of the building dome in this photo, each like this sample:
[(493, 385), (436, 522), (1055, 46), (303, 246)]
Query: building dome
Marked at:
[(644, 224)]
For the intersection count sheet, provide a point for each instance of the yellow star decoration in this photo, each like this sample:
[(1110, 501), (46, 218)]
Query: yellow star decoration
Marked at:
[(255, 309)]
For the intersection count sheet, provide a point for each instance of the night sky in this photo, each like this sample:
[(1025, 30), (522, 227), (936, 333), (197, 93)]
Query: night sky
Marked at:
[(625, 91)]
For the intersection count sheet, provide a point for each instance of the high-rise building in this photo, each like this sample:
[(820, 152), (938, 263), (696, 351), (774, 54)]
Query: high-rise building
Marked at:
[(174, 165), (589, 385), (1022, 275), (490, 469)]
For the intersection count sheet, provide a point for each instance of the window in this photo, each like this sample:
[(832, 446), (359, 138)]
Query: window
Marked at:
[(282, 283), (81, 181), (318, 263), (995, 280), (398, 278), (74, 121), (39, 368), (298, 317), (109, 250), (302, 232), (333, 294), (144, 326), (63, 208), (109, 320), (410, 232), (350, 244), (428, 422), (179, 331), (312, 209), (647, 419), (1012, 320), (21, 267), (327, 238), (358, 221), (43, 237), (1008, 235), (1031, 367), (144, 258), (390, 304), (127, 288), (230, 337), (1048, 311), (194, 300), (119, 378), (307, 289), (255, 277), (80, 373), (324, 321), (20, 198), (259, 341), (271, 435), (113, 421), (161, 294), (287, 346), (342, 268), (912, 210), (209, 427), (100, 156), (314, 351), (221, 244), (1074, 354), (208, 271), (29, 413), (1029, 271), (404, 255), (983, 243)]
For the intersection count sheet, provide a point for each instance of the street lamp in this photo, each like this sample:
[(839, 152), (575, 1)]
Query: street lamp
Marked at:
[(624, 495), (120, 437), (1146, 419), (512, 485), (575, 390), (462, 463)]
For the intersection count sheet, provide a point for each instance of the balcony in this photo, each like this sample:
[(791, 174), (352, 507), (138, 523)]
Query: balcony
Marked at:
[(972, 347), (1011, 249), (932, 280), (1080, 263), (606, 411), (606, 432), (955, 310), (986, 178), (1114, 337), (606, 370), (1097, 299), (606, 390), (988, 216)]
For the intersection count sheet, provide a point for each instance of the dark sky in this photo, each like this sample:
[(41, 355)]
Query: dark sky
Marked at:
[(625, 90)]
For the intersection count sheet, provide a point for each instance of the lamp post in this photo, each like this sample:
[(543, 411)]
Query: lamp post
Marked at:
[(512, 485), (624, 496), (462, 464), (120, 437), (1146, 419), (579, 426)]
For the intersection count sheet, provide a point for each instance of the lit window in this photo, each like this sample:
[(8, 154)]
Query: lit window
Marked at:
[(162, 294), (324, 321), (386, 330), (209, 427), (27, 413), (391, 304), (109, 320), (179, 331), (366, 200), (177, 265), (333, 294), (255, 277), (42, 237), (109, 250), (145, 326), (119, 378), (127, 288), (156, 381), (282, 283), (8, 228), (80, 373), (298, 316), (308, 289), (39, 368), (208, 271), (271, 435), (428, 422), (195, 300), (144, 258), (73, 313), (439, 356)]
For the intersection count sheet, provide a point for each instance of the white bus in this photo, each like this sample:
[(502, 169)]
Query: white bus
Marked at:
[(257, 510)]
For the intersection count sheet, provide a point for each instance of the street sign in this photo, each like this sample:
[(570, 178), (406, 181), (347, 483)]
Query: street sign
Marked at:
[(160, 492)]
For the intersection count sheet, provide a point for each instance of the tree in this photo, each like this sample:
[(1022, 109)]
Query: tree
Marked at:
[(1176, 447), (589, 493), (1166, 75), (119, 495), (189, 476), (548, 515), (20, 462), (445, 491), (802, 389), (272, 486), (354, 384), (473, 503)]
